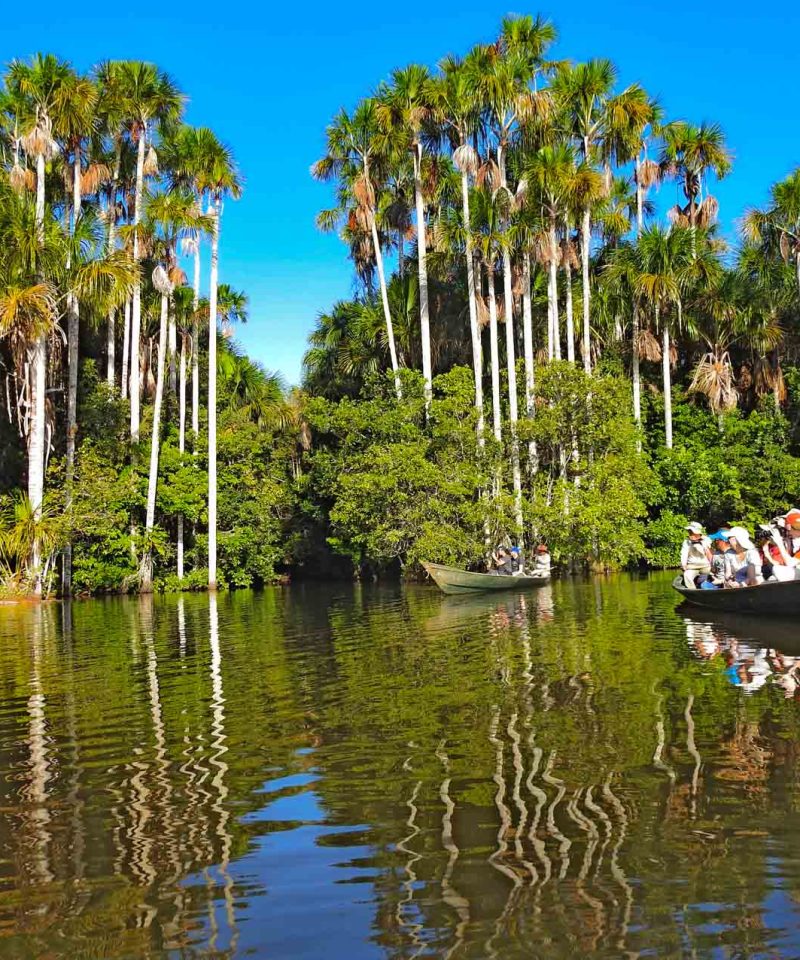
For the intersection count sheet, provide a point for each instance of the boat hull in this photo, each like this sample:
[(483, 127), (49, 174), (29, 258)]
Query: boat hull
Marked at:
[(453, 581), (766, 599)]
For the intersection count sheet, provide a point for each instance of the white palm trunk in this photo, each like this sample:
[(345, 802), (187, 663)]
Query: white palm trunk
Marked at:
[(424, 316), (494, 355), (136, 312), (513, 410), (586, 239), (635, 369), (196, 348), (172, 349), (667, 373), (111, 332), (38, 427), (212, 402), (126, 349), (152, 483), (73, 338), (568, 306), (387, 314), (552, 296), (181, 443), (527, 341), (474, 328)]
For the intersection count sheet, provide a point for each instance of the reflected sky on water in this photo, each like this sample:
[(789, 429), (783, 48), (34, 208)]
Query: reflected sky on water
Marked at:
[(353, 772)]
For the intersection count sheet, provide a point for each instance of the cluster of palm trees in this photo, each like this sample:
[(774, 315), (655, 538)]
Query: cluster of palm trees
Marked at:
[(525, 182), (103, 189)]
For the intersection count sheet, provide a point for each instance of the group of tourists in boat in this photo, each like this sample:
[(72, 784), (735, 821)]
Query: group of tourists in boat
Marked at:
[(508, 560), (731, 558)]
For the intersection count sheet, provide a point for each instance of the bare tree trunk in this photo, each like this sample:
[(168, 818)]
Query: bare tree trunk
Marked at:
[(494, 355), (635, 369), (553, 293), (112, 228), (387, 314), (474, 328), (73, 337), (126, 350), (586, 239), (38, 383), (212, 401), (172, 348), (569, 313), (665, 367), (527, 340), (146, 572), (181, 443), (511, 364), (196, 348), (136, 314), (424, 315)]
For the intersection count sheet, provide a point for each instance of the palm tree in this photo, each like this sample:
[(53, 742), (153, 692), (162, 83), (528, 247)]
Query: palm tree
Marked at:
[(776, 229), (213, 170), (169, 215), (403, 109), (582, 92), (34, 90), (690, 153), (456, 111), (148, 97), (352, 149)]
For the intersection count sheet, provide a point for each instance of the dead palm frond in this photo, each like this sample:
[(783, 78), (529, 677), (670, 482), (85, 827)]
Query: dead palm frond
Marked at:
[(151, 162), (466, 159), (707, 211), (488, 175), (93, 178), (649, 346), (714, 379), (648, 174)]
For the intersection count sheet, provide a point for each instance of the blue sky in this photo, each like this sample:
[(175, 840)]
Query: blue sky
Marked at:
[(268, 78)]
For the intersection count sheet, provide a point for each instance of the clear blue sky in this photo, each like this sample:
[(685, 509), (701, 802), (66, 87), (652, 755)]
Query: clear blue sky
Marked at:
[(268, 78)]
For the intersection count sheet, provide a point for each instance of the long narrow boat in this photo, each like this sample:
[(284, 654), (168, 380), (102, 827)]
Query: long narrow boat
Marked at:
[(453, 581), (765, 599)]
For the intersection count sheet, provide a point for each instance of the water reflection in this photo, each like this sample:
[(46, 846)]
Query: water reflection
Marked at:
[(576, 770)]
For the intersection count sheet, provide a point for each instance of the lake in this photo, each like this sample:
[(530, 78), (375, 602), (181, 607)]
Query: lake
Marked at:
[(347, 771)]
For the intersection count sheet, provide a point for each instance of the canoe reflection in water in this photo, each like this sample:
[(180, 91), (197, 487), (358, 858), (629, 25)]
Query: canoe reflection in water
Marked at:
[(755, 651)]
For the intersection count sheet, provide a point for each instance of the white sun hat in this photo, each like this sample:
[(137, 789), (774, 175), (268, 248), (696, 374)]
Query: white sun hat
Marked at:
[(742, 537), (694, 527)]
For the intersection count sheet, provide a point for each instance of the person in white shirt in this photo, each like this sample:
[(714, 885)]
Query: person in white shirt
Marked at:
[(744, 559), (695, 554)]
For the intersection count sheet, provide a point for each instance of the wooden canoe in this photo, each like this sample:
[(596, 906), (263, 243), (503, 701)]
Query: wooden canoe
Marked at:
[(453, 581), (766, 599)]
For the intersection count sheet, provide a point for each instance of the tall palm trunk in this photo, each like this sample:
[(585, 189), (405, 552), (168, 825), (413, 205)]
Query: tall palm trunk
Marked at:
[(527, 341), (424, 315), (196, 348), (635, 369), (494, 354), (511, 364), (126, 349), (172, 349), (667, 374), (387, 314), (568, 307), (586, 239), (552, 296), (474, 329), (181, 442), (136, 313), (112, 233), (146, 571), (212, 401), (38, 426), (73, 335)]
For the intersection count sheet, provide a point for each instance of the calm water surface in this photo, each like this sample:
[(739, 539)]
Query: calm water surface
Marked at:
[(345, 772)]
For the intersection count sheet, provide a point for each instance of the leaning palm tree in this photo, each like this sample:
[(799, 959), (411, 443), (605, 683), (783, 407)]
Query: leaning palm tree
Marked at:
[(352, 156), (149, 97), (403, 109)]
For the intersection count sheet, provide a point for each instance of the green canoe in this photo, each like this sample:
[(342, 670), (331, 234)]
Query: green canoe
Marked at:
[(450, 580)]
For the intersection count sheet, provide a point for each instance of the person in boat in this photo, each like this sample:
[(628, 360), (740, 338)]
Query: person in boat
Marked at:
[(720, 571), (517, 561), (744, 560), (695, 555), (503, 563), (792, 522), (542, 561)]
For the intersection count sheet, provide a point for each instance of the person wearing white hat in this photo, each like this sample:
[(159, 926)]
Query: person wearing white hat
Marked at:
[(744, 559), (695, 555)]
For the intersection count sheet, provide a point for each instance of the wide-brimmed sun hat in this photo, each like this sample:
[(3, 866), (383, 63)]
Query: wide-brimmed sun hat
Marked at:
[(694, 527), (741, 536)]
